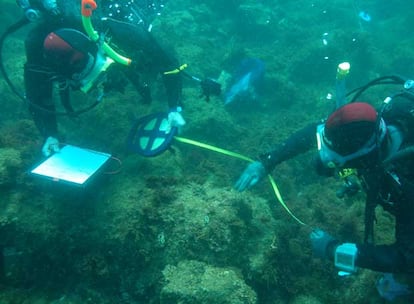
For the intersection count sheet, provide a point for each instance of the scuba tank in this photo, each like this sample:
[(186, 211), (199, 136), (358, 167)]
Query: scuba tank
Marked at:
[(10, 30), (33, 9), (350, 184), (31, 13), (340, 84)]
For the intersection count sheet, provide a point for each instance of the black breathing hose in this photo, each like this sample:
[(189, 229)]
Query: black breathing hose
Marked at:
[(404, 153), (393, 79), (10, 30), (14, 27)]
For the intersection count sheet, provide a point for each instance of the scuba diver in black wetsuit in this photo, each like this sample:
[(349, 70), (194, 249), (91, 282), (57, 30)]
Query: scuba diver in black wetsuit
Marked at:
[(380, 146), (60, 52)]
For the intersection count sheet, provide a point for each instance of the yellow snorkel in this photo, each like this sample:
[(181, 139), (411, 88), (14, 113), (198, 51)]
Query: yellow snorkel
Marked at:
[(88, 6)]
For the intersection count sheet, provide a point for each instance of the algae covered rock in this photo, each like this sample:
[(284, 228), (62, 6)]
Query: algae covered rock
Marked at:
[(10, 161), (305, 299), (196, 282)]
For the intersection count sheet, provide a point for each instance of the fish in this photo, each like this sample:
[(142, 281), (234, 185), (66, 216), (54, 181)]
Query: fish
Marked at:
[(389, 288), (245, 80)]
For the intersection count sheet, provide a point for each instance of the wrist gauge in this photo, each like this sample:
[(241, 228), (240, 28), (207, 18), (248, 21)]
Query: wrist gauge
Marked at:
[(345, 257)]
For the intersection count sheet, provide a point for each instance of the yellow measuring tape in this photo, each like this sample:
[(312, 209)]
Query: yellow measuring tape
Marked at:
[(177, 70), (242, 157)]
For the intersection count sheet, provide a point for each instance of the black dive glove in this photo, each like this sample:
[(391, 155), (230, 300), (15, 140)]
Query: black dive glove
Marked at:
[(210, 87)]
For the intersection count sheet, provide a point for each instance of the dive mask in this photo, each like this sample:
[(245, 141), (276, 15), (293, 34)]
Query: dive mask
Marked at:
[(332, 159), (94, 74)]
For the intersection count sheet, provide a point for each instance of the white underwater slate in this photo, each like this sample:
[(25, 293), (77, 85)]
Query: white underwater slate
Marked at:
[(72, 164)]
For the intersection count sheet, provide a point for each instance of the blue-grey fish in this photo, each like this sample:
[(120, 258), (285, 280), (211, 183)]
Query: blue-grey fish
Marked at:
[(245, 79)]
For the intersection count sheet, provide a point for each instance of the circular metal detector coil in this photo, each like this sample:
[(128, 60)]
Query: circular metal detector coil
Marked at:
[(151, 135)]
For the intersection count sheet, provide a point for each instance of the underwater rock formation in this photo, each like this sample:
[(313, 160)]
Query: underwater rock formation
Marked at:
[(196, 282), (10, 161)]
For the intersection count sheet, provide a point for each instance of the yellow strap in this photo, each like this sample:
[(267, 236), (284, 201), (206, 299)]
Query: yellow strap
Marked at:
[(279, 197), (177, 70), (213, 148), (345, 172), (242, 157)]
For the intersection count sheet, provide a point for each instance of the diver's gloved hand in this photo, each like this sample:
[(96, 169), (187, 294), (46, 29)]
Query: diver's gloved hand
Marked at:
[(210, 87), (323, 244), (50, 146), (175, 119), (250, 176)]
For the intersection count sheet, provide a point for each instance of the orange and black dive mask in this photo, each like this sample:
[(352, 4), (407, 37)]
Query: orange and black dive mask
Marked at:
[(76, 57)]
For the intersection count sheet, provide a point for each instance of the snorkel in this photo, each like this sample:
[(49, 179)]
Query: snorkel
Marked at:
[(88, 6)]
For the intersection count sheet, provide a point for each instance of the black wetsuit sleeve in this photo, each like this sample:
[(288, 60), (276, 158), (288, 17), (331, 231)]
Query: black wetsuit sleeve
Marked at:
[(148, 56), (163, 61), (298, 143), (397, 257), (384, 258)]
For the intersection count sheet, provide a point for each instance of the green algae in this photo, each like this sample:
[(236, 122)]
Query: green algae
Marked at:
[(197, 282), (10, 163)]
